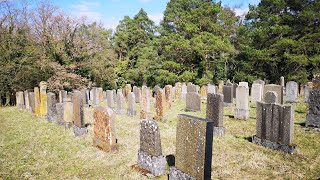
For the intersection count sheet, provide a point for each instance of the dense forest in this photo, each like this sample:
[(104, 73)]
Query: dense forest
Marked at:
[(197, 41)]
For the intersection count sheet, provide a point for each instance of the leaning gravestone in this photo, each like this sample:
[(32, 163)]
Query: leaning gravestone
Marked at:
[(51, 107), (313, 116), (292, 92), (228, 95), (276, 88), (193, 149), (67, 112), (256, 93), (79, 127), (242, 103), (274, 124), (161, 109), (104, 129), (193, 102), (36, 101), (43, 98), (131, 104), (150, 153), (214, 113)]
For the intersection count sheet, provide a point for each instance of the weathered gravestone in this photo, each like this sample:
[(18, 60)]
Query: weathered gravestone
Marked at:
[(301, 91), (184, 91), (150, 153), (214, 113), (104, 129), (60, 114), (137, 93), (36, 101), (292, 92), (193, 102), (20, 100), (306, 93), (51, 107), (121, 102), (282, 81), (99, 95), (191, 87), (313, 116), (242, 103), (84, 97), (62, 95), (67, 112), (79, 127), (228, 95), (145, 103), (256, 93), (177, 92), (274, 124), (235, 86), (244, 84), (168, 93), (276, 88), (26, 100), (131, 104), (212, 88), (43, 98), (31, 101), (220, 86), (127, 90), (259, 81), (193, 149), (110, 100), (161, 109), (203, 92)]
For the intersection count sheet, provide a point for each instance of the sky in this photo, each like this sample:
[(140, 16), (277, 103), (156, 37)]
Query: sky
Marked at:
[(110, 12)]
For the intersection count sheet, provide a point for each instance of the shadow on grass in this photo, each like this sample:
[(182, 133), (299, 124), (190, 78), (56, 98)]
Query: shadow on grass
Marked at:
[(300, 111), (229, 116), (171, 160), (303, 124), (249, 138)]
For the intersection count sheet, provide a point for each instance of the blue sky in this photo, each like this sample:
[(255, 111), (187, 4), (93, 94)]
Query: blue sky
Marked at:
[(110, 12)]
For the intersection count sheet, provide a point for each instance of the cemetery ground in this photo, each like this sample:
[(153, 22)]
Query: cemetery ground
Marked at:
[(33, 148)]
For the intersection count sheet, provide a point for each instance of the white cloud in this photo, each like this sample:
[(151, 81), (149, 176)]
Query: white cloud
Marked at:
[(156, 18), (241, 11)]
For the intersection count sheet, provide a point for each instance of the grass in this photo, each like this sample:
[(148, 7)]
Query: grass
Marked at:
[(32, 148)]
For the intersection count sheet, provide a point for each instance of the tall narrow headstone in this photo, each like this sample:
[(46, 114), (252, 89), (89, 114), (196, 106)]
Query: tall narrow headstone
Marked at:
[(193, 149), (234, 90), (99, 95), (214, 113), (220, 86), (26, 100), (84, 96), (177, 92), (62, 95), (60, 114), (36, 101), (79, 127), (313, 115), (150, 153), (67, 112), (203, 92), (145, 103), (131, 105), (276, 88), (193, 102), (282, 81), (121, 102), (183, 91), (127, 90), (306, 93), (242, 103), (110, 100), (228, 95), (104, 129), (168, 93), (292, 92), (51, 107), (137, 93), (43, 98), (161, 109), (20, 100), (274, 124), (256, 93), (31, 101)]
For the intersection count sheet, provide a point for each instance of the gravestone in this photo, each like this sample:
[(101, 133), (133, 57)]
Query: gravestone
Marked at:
[(193, 157), (168, 93), (191, 87), (84, 97), (245, 84), (26, 100), (292, 92), (259, 81), (121, 102), (274, 124), (99, 95), (234, 90), (203, 92), (150, 153), (36, 101), (60, 114), (137, 93), (104, 129), (214, 113), (183, 91), (276, 88), (212, 89), (79, 127), (31, 101), (110, 100), (193, 102), (43, 98), (20, 100), (131, 105), (256, 93), (313, 115), (62, 95), (301, 91), (220, 86), (67, 112), (161, 109), (51, 107), (242, 103), (306, 93), (316, 82), (127, 90), (178, 89), (145, 103), (282, 81), (104, 95), (228, 95)]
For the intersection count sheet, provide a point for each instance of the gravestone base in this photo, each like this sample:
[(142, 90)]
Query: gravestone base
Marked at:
[(155, 164), (292, 101), (228, 104), (21, 106), (121, 111), (242, 114), (104, 145), (313, 120), (131, 112), (176, 174), (192, 110), (218, 131), (79, 131), (276, 146), (161, 118)]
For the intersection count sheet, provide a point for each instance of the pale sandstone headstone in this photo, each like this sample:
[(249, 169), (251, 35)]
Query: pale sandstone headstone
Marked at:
[(292, 92), (131, 104), (242, 103)]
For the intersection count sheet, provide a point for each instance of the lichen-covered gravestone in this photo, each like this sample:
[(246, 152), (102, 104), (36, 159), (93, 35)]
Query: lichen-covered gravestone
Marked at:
[(67, 112), (203, 92), (79, 127), (161, 109), (274, 124), (228, 95), (150, 153), (104, 129), (193, 102), (36, 101), (276, 88), (177, 92), (145, 103), (292, 92), (52, 111), (43, 98), (131, 104), (168, 93), (313, 116), (193, 148), (214, 113), (242, 103)]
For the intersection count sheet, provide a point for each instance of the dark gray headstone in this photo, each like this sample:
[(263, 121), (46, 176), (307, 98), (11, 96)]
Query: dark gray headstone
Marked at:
[(51, 107), (228, 95), (215, 112), (313, 116), (193, 102)]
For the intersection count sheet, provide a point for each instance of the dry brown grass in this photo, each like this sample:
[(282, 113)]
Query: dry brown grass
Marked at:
[(32, 148)]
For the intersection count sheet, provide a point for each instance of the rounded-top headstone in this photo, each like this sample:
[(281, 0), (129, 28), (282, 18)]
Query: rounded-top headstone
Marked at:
[(271, 97)]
